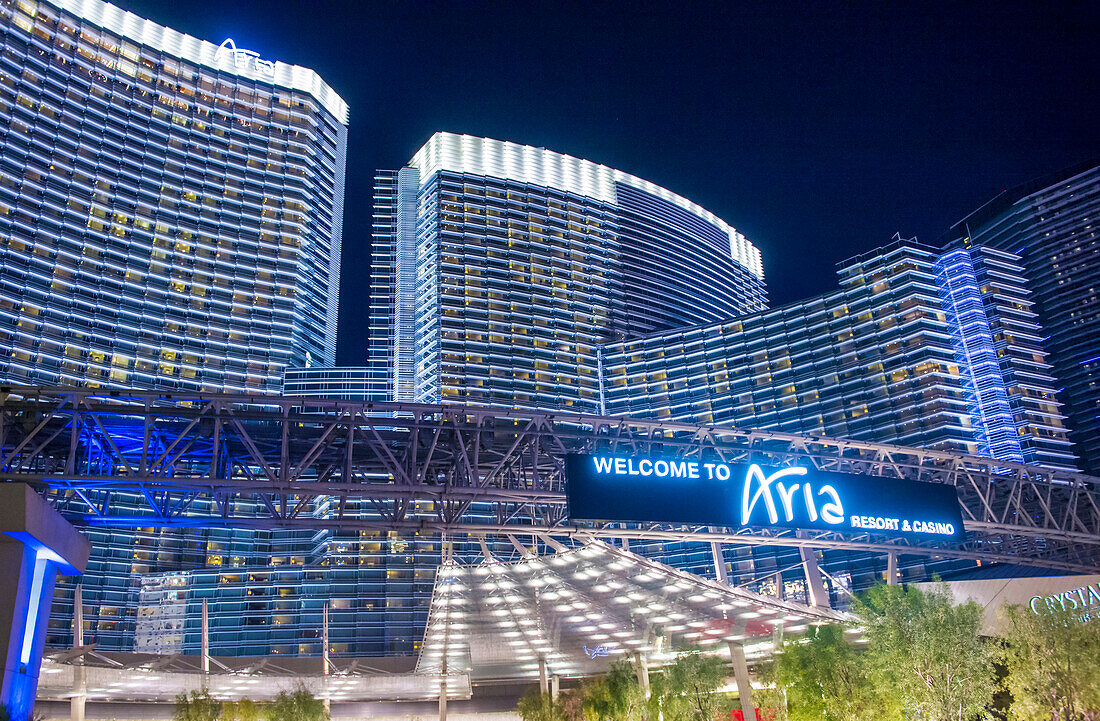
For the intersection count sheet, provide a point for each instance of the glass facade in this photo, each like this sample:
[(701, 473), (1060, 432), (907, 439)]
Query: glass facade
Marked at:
[(500, 269), (170, 217), (1051, 224), (917, 348), (170, 211)]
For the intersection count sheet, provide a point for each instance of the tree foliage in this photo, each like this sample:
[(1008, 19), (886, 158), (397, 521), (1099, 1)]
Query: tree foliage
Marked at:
[(927, 650), (824, 676), (299, 705), (537, 706), (617, 696), (687, 690), (569, 706), (198, 706), (243, 710), (1052, 664)]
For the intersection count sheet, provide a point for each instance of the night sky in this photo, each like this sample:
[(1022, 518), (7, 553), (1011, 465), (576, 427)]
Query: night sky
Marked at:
[(817, 129)]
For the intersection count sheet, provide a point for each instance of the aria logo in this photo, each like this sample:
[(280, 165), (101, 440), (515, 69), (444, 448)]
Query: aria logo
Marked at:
[(758, 487), (244, 60)]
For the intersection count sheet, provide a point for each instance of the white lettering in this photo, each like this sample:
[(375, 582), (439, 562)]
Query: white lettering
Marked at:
[(811, 505), (645, 464), (603, 465), (710, 472), (693, 469), (1084, 597), (832, 513), (620, 466), (749, 498), (245, 60), (785, 497), (661, 468), (678, 469), (722, 471)]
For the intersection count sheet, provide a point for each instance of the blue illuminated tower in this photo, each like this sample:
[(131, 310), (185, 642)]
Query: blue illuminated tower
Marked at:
[(1051, 224)]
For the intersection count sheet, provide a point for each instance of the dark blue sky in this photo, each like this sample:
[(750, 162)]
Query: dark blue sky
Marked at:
[(817, 129)]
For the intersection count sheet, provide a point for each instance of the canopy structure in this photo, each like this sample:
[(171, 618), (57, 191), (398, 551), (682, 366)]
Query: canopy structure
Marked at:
[(135, 677), (574, 611)]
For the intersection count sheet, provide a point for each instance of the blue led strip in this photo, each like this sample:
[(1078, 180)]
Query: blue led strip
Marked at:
[(983, 381)]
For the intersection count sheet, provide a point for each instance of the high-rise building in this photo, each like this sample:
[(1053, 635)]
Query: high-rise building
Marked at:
[(511, 275), (917, 347), (170, 209), (1051, 224), (170, 216), (499, 269)]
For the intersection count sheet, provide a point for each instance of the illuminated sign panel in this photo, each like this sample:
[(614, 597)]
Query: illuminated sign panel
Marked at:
[(610, 487), (1085, 598), (243, 60)]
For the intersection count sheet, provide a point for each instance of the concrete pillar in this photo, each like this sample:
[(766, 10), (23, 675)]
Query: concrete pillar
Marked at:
[(719, 562), (205, 631), (324, 652), (891, 569), (36, 544), (543, 682), (78, 703), (741, 678), (815, 584), (443, 693), (555, 686), (642, 665)]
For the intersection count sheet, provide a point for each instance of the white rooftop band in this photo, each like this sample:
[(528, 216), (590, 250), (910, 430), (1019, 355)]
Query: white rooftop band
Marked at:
[(146, 32), (539, 166)]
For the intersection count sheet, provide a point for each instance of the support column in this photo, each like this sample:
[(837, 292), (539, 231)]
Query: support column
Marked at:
[(36, 544), (544, 686), (78, 703), (324, 652), (891, 569), (642, 665), (719, 562), (741, 678), (815, 584), (555, 687), (443, 694), (205, 642)]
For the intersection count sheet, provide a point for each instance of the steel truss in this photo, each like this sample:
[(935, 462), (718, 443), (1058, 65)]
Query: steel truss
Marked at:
[(155, 459)]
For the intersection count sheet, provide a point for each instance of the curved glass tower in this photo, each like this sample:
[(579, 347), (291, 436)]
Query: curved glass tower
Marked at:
[(499, 270), (170, 209)]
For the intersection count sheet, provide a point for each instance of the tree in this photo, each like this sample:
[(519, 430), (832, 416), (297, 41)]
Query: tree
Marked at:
[(687, 690), (1052, 664), (301, 705), (537, 706), (929, 652), (824, 676), (617, 696), (199, 706), (243, 710), (568, 706)]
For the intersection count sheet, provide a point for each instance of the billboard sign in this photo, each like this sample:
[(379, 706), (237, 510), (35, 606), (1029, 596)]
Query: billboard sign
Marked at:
[(615, 487)]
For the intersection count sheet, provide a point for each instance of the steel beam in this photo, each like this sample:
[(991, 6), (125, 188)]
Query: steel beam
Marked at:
[(185, 459)]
